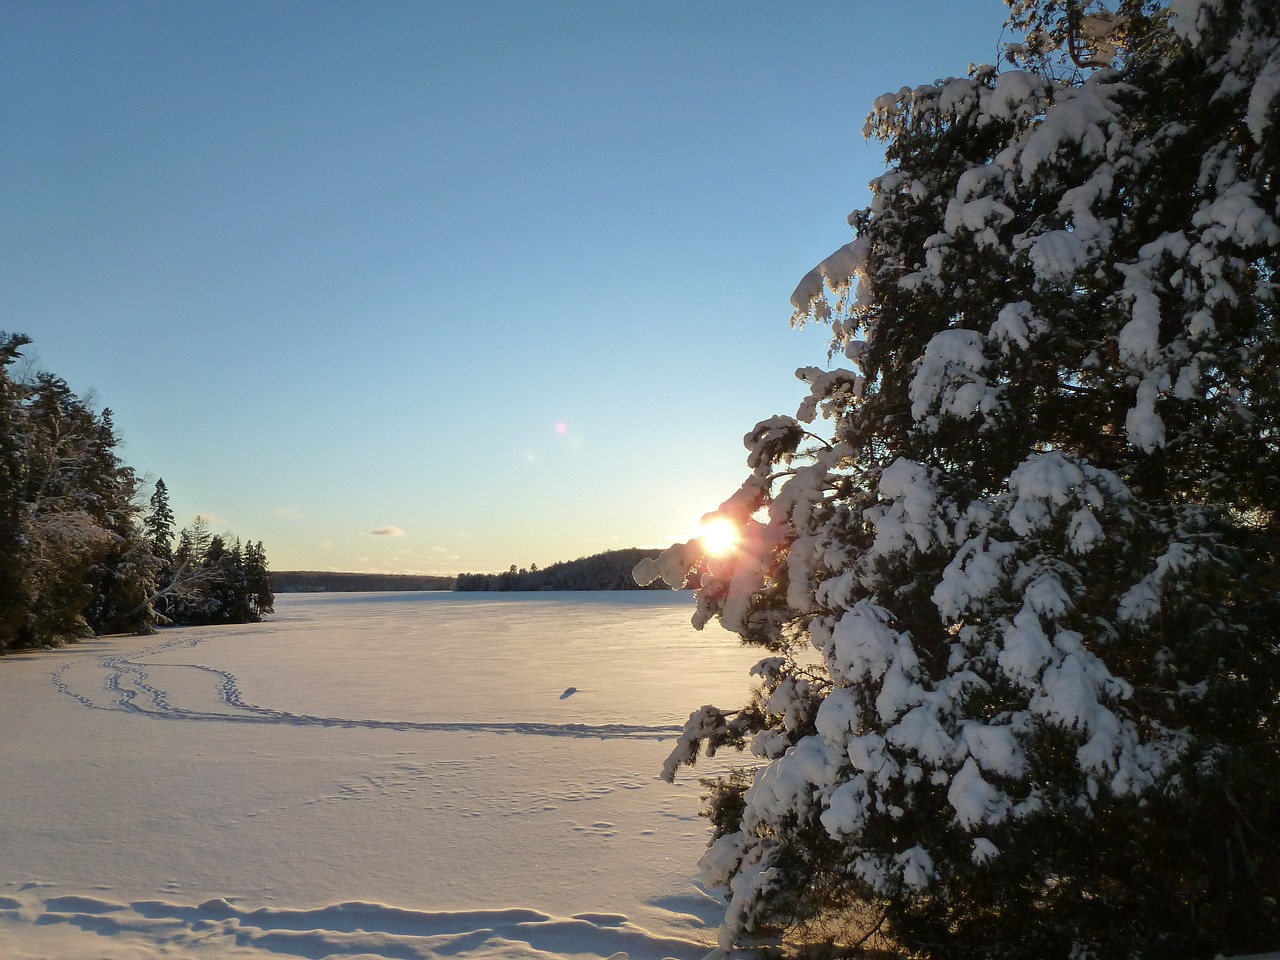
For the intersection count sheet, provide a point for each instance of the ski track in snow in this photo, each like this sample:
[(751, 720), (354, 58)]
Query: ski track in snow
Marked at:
[(352, 929), (132, 687)]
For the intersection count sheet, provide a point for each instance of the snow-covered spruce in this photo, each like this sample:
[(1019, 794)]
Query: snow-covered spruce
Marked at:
[(1019, 587)]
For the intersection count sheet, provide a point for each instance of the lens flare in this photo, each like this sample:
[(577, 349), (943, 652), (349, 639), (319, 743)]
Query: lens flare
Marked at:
[(719, 536)]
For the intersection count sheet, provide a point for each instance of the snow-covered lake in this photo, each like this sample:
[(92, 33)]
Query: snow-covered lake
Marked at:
[(372, 775)]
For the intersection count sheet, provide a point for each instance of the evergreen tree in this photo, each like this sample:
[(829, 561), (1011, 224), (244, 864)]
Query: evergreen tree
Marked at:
[(1020, 595), (124, 578), (159, 522), (80, 555), (261, 595), (215, 599), (14, 592)]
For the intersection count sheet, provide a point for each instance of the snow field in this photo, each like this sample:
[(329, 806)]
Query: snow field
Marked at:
[(378, 776)]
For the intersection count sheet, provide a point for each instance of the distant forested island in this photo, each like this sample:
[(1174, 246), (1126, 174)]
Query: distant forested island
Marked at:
[(325, 581), (610, 570), (602, 571)]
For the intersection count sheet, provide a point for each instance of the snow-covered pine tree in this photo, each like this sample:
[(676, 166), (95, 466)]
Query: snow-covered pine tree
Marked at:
[(158, 523), (15, 594), (261, 594), (1020, 584)]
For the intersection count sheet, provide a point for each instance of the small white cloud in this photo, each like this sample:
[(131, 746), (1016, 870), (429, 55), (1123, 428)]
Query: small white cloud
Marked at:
[(289, 513), (387, 532)]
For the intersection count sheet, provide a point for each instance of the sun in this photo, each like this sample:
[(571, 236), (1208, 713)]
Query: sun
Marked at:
[(719, 536)]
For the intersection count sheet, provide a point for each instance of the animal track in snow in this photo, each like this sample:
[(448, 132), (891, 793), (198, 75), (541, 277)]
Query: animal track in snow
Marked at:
[(198, 692)]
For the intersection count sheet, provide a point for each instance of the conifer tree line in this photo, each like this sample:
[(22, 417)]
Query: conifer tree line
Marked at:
[(204, 577), (78, 555), (1014, 565)]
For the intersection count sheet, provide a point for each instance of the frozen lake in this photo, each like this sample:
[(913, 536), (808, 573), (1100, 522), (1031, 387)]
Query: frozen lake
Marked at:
[(373, 775)]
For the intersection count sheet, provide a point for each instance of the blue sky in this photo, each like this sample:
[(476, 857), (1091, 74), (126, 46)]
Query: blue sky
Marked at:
[(504, 282)]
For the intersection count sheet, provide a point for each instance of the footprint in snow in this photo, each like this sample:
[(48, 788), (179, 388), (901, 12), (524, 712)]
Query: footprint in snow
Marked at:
[(568, 693)]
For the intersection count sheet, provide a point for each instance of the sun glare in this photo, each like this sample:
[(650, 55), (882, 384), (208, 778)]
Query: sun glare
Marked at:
[(719, 536)]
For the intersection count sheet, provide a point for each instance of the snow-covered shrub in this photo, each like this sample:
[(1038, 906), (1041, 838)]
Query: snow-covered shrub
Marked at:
[(1020, 586)]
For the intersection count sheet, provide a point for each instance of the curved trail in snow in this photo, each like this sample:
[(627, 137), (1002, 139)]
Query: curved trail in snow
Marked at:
[(130, 685)]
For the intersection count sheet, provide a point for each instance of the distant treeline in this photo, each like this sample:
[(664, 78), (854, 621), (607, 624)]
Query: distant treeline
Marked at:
[(322, 581), (603, 571)]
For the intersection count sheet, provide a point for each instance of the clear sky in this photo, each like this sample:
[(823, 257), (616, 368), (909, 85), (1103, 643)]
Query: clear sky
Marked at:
[(440, 287)]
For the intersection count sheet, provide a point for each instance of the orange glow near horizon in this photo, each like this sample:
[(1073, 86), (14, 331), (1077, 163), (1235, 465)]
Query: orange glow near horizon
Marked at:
[(719, 536)]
